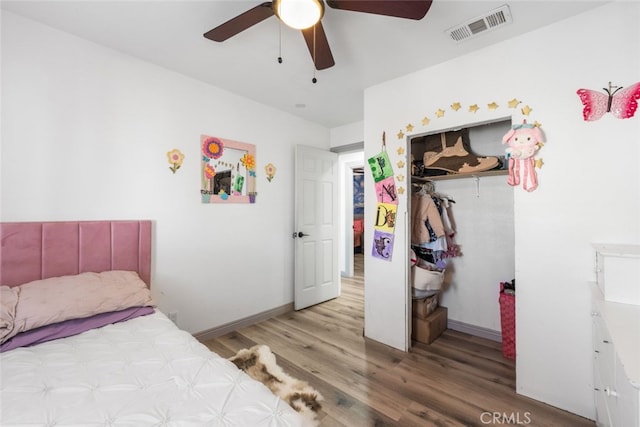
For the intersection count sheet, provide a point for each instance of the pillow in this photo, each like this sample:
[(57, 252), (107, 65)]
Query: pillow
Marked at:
[(8, 303), (72, 327), (56, 299)]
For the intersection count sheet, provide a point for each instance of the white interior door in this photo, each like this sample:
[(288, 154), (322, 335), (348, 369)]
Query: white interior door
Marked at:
[(316, 227)]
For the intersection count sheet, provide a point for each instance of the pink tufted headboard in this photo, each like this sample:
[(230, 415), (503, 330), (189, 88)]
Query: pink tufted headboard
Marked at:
[(39, 250)]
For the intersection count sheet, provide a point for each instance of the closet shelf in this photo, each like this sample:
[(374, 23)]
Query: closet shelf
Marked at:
[(460, 175)]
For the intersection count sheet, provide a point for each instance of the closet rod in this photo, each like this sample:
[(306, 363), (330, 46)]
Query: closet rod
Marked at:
[(430, 188)]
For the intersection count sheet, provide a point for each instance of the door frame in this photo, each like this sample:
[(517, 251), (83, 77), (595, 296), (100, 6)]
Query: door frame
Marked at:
[(347, 162)]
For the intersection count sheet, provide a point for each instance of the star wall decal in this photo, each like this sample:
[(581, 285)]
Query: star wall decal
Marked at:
[(539, 163), (400, 190), (514, 103), (537, 124), (473, 108), (400, 151), (400, 177), (400, 164)]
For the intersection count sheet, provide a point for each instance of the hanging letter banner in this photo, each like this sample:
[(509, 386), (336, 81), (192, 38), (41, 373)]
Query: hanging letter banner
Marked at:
[(387, 207)]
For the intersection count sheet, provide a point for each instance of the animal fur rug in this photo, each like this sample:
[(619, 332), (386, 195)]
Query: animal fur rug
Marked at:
[(260, 363)]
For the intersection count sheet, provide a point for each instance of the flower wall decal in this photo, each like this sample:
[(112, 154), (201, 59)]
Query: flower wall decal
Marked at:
[(175, 158), (270, 171)]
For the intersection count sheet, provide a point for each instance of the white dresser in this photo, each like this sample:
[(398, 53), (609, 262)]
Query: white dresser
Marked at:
[(616, 335), (616, 355)]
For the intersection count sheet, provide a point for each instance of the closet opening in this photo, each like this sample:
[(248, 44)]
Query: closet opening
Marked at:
[(461, 225)]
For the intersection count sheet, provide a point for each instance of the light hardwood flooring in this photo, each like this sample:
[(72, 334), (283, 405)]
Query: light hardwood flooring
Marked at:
[(458, 380)]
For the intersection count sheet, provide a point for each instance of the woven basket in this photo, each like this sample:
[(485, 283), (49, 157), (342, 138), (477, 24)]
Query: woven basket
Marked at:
[(508, 323), (426, 280)]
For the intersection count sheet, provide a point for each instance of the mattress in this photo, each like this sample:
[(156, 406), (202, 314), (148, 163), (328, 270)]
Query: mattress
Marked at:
[(141, 372)]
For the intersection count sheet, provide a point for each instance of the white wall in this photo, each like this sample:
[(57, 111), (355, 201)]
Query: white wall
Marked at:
[(85, 132), (589, 184), (347, 134)]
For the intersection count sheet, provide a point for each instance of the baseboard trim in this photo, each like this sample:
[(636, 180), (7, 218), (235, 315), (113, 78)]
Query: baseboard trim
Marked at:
[(477, 331), (242, 323)]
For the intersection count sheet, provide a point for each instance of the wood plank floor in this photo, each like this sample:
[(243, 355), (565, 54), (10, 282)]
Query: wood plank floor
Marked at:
[(459, 380)]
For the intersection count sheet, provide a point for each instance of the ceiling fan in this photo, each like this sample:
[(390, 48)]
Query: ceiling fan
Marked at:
[(313, 32)]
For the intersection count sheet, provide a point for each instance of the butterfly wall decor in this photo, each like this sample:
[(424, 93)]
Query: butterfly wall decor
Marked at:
[(621, 102)]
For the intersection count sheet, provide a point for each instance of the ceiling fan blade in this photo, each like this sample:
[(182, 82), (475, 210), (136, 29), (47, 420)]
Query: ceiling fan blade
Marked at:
[(240, 23), (409, 9), (321, 55)]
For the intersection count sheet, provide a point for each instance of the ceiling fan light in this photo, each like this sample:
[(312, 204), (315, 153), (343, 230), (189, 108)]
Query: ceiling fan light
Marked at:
[(299, 14)]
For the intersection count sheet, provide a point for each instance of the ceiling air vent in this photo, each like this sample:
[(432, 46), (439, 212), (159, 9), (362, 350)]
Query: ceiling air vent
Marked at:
[(480, 24)]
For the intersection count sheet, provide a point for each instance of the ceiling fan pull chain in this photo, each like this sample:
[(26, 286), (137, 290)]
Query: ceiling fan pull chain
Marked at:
[(279, 42), (314, 80)]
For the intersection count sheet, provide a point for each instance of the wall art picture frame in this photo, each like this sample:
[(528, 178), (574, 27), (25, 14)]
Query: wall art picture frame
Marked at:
[(228, 170)]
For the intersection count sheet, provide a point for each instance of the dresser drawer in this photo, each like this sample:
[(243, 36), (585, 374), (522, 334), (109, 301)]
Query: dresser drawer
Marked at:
[(603, 352), (603, 416), (628, 399)]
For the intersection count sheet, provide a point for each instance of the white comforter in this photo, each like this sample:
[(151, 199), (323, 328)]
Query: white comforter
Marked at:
[(142, 372)]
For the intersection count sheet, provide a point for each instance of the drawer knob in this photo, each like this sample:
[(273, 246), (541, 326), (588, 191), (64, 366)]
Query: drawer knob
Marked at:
[(610, 392)]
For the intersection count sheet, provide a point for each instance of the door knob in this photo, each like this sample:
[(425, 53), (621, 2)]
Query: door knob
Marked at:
[(299, 234)]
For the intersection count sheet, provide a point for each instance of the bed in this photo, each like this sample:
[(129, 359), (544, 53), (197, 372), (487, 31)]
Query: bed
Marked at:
[(67, 365)]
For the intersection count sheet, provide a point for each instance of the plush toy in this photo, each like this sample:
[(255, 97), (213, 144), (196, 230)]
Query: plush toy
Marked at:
[(524, 141)]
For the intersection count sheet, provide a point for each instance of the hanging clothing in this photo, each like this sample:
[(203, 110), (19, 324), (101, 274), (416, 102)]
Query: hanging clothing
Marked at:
[(432, 226), (452, 249), (426, 222)]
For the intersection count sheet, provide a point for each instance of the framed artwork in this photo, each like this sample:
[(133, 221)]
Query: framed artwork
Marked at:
[(228, 171)]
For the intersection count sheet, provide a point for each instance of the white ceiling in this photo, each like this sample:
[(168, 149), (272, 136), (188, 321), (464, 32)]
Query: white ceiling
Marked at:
[(368, 49)]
